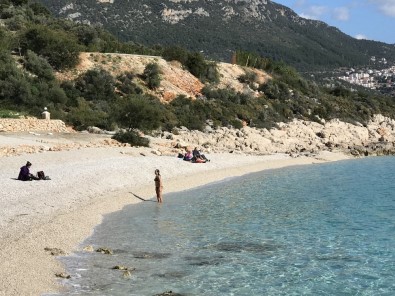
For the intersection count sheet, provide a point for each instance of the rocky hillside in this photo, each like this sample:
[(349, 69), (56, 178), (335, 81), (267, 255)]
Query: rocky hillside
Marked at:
[(220, 27), (174, 79)]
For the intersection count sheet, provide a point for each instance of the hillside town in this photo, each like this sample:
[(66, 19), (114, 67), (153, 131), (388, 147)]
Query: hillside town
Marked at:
[(382, 80)]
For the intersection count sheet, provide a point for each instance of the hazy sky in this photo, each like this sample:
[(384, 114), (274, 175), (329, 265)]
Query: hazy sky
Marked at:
[(362, 19)]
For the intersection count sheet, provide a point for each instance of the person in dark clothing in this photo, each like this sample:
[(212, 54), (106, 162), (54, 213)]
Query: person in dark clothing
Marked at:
[(24, 173), (198, 157)]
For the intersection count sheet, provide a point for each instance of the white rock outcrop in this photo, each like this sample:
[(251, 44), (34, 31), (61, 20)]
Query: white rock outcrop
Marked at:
[(298, 136)]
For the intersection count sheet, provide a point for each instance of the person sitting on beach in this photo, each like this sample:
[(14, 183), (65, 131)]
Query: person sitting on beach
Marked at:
[(199, 157), (24, 173), (188, 155)]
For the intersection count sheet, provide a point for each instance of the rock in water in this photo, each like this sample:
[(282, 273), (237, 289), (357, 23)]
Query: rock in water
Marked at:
[(121, 267), (88, 248), (62, 275), (55, 251), (169, 293), (105, 251)]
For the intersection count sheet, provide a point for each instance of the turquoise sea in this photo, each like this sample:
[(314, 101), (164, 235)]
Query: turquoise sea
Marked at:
[(325, 229)]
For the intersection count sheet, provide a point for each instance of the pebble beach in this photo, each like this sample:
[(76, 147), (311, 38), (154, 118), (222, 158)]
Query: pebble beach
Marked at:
[(85, 184)]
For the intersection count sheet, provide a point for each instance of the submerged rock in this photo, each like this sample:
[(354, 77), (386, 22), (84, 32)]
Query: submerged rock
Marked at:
[(204, 260), (55, 251), (62, 275), (151, 255), (246, 247), (105, 251), (121, 267), (88, 248), (172, 274), (169, 293)]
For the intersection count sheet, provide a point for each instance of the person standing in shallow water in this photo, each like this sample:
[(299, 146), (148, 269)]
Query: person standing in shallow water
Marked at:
[(158, 185)]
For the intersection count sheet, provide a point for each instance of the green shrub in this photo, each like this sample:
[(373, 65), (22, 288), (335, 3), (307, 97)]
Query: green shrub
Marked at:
[(152, 75), (237, 124), (5, 40), (126, 86), (38, 66), (204, 71), (57, 46), (137, 111), (14, 86), (191, 114), (96, 85), (19, 2), (85, 114), (9, 114), (85, 34), (275, 89), (39, 9), (175, 53), (249, 77), (340, 91), (132, 138)]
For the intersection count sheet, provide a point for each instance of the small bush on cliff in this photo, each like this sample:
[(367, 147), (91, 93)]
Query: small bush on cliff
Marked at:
[(248, 77), (132, 138), (175, 53), (126, 86), (96, 85), (152, 75), (199, 67), (193, 61), (275, 89)]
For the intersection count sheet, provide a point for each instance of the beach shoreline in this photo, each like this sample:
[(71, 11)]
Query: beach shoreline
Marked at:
[(87, 184)]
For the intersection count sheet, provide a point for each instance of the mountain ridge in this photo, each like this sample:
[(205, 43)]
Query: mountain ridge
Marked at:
[(218, 28)]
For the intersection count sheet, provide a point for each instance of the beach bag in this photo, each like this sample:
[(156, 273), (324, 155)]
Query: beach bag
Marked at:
[(41, 175)]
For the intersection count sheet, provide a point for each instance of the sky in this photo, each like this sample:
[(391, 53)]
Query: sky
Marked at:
[(361, 19)]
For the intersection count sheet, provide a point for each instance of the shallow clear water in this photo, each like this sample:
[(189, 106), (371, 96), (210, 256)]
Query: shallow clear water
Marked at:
[(311, 230)]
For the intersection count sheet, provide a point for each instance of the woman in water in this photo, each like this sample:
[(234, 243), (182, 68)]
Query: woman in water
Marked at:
[(158, 185)]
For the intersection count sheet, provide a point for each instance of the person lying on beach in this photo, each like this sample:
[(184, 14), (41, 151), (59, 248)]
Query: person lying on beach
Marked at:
[(24, 173), (198, 160)]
